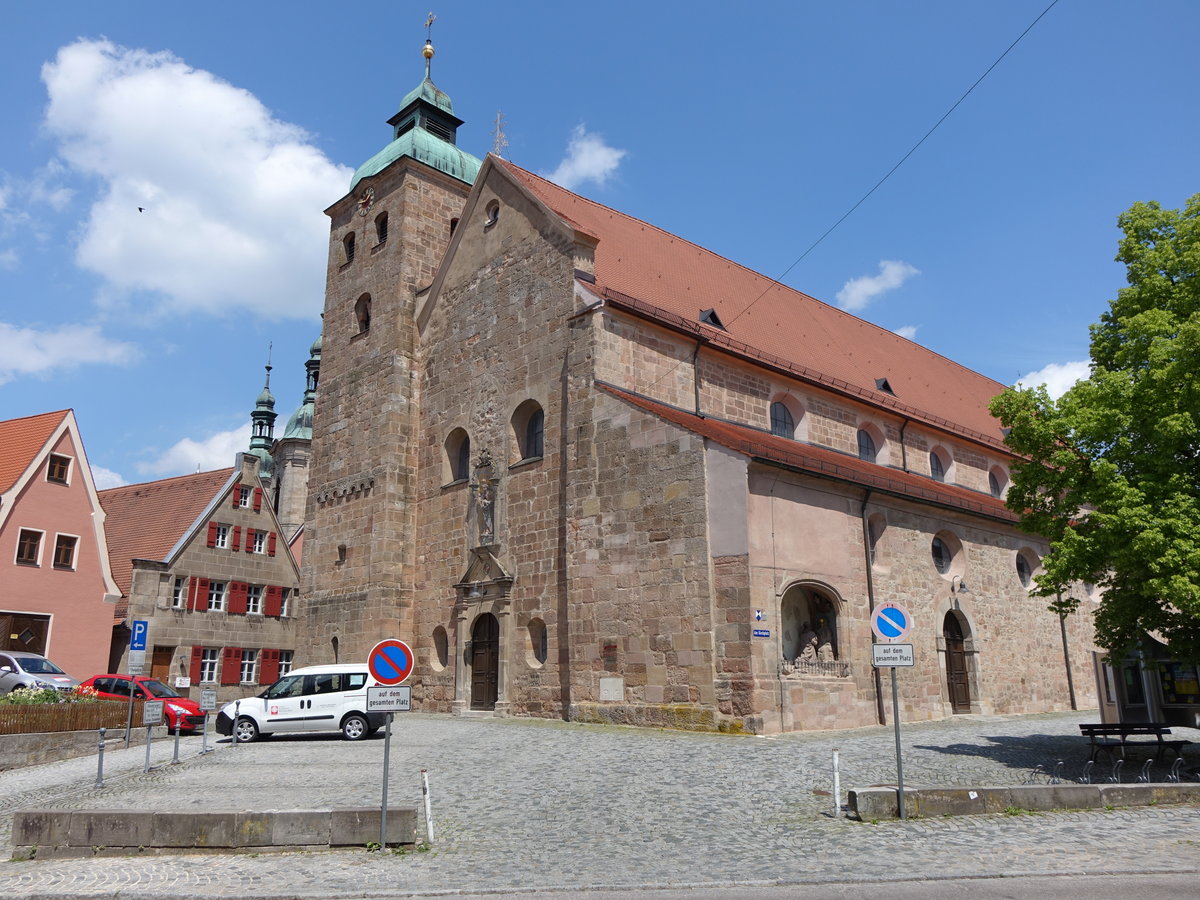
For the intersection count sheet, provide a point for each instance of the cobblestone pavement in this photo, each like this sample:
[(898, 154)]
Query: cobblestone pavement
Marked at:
[(524, 804)]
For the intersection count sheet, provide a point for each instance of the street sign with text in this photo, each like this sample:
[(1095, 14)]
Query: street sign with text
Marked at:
[(884, 656)]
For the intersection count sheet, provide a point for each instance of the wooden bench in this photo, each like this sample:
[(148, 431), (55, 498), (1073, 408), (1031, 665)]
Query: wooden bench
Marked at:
[(1114, 738)]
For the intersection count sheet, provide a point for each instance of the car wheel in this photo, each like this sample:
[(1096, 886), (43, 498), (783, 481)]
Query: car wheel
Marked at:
[(246, 730), (354, 727)]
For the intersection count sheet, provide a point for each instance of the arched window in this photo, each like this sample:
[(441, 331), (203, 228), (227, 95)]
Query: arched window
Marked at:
[(946, 551), (441, 649), (942, 556), (809, 626), (937, 466), (537, 649), (866, 446), (458, 456), (529, 431), (381, 226), (1027, 564), (782, 423), (997, 482), (348, 246), (875, 525), (362, 313)]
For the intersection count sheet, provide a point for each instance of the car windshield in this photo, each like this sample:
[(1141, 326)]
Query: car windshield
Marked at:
[(158, 689), (37, 665)]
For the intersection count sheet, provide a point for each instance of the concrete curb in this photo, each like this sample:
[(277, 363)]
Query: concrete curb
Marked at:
[(883, 803), (44, 833)]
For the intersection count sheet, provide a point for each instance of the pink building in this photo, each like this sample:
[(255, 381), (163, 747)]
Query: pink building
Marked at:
[(57, 592)]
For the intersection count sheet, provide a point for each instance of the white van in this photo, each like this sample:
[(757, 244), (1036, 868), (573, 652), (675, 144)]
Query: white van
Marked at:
[(315, 698)]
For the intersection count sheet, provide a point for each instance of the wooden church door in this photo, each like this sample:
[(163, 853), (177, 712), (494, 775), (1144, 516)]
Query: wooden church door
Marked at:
[(956, 665), (485, 662)]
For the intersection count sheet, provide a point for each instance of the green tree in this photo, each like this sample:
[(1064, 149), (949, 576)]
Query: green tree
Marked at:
[(1112, 470)]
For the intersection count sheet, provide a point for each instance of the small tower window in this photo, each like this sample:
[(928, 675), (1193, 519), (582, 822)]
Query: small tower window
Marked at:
[(866, 446), (937, 469), (362, 313), (458, 456), (453, 225), (348, 245), (782, 423), (528, 430), (493, 214), (381, 226)]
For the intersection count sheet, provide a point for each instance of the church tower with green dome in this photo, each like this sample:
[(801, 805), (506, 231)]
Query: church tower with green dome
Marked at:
[(387, 237), (262, 428), (291, 453)]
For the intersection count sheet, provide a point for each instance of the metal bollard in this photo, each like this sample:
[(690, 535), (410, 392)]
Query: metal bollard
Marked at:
[(100, 761), (204, 735), (237, 705), (146, 768), (175, 758), (428, 807), (837, 786)]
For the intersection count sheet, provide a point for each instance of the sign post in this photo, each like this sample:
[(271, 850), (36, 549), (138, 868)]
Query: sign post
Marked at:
[(390, 662), (138, 630), (891, 622)]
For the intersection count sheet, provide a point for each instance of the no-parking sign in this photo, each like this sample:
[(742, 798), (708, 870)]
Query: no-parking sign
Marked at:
[(890, 621), (390, 662)]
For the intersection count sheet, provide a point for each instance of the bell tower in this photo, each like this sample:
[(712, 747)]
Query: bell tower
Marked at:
[(387, 237)]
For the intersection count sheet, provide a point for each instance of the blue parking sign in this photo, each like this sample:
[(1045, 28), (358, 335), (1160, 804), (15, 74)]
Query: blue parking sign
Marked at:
[(137, 637)]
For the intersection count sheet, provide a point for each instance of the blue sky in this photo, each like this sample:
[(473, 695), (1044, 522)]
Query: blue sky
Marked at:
[(748, 128)]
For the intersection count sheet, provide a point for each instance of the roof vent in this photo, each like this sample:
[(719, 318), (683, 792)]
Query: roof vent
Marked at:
[(881, 384), (710, 317)]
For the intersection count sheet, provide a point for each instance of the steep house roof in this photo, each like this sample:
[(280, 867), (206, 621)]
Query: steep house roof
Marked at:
[(145, 521), (21, 440), (657, 275), (821, 461)]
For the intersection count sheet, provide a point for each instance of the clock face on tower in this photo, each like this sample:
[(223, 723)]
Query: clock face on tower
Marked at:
[(365, 199)]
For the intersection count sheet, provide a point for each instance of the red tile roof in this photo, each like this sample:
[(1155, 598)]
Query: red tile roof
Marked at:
[(144, 521), (20, 442), (659, 275), (821, 461)]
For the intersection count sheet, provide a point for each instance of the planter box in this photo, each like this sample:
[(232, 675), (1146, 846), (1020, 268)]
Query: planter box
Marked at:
[(51, 717)]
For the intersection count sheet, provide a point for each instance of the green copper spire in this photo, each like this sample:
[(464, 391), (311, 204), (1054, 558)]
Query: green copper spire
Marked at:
[(299, 426), (425, 129), (262, 426)]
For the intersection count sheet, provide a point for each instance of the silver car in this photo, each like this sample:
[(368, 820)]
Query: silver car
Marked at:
[(19, 669)]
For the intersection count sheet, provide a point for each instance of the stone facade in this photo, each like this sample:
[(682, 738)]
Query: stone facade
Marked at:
[(569, 502)]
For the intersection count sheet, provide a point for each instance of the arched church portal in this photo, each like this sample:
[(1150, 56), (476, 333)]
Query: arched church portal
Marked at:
[(485, 661), (958, 684)]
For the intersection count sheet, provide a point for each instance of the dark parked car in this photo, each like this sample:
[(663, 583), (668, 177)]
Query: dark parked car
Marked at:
[(175, 707), (19, 669)]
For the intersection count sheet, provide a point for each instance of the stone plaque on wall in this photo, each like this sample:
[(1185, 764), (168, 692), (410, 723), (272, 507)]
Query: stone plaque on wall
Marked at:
[(612, 687)]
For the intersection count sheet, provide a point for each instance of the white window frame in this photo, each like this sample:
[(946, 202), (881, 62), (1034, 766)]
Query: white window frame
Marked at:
[(210, 664), (70, 468), (249, 667), (179, 593), (74, 551), (221, 538), (41, 547), (284, 593), (217, 592), (254, 598), (286, 658), (260, 541), (245, 497)]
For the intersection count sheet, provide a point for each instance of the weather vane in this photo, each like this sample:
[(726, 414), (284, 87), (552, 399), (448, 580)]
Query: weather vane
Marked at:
[(499, 139), (429, 20)]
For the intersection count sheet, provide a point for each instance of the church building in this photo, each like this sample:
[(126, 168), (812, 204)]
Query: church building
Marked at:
[(592, 471)]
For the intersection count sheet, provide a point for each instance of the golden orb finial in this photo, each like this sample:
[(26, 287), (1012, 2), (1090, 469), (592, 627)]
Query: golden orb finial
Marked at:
[(427, 50)]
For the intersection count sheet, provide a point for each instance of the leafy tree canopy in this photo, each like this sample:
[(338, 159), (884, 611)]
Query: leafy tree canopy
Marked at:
[(1112, 477)]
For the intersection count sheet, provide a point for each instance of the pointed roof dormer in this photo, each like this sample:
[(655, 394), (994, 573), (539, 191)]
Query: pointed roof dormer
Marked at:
[(262, 426), (424, 129)]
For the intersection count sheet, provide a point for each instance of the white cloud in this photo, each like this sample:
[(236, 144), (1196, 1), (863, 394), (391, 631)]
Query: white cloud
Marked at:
[(588, 159), (8, 259), (107, 478), (27, 351), (217, 451), (232, 197), (908, 331), (1057, 377), (858, 292)]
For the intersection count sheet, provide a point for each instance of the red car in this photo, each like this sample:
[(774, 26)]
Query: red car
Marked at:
[(175, 708)]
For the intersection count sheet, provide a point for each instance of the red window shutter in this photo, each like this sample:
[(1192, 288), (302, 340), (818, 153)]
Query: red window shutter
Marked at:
[(237, 597), (257, 499), (271, 544), (202, 595), (272, 605), (237, 537), (212, 534), (268, 666), (193, 586), (197, 652), (237, 495), (231, 666), (249, 540)]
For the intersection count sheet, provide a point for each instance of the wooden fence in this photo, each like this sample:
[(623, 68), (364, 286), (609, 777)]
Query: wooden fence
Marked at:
[(52, 717)]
